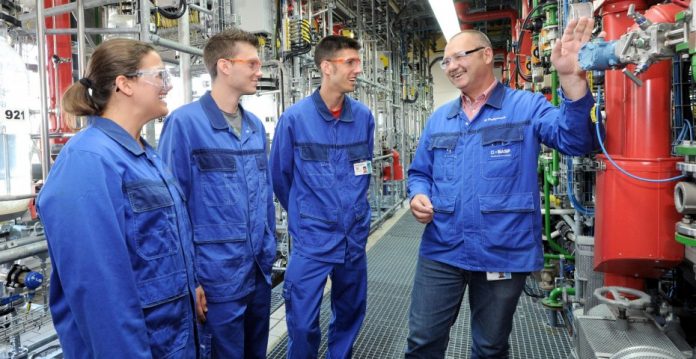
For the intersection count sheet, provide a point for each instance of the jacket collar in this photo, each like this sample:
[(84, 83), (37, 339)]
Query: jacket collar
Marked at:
[(214, 114), (118, 134), (346, 113), (494, 100)]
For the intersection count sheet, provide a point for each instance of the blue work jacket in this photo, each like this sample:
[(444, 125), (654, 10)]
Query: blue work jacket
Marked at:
[(119, 238), (312, 162), (481, 177), (227, 184)]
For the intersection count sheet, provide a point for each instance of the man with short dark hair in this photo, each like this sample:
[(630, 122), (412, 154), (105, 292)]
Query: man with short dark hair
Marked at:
[(217, 151), (473, 181), (320, 148)]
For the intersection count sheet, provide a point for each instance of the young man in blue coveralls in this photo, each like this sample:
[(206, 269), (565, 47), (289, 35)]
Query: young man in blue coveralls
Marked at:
[(320, 146), (473, 180), (217, 151)]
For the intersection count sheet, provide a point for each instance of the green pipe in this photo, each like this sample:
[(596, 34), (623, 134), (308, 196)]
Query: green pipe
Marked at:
[(547, 218), (553, 300), (551, 18), (549, 256), (557, 292), (551, 168)]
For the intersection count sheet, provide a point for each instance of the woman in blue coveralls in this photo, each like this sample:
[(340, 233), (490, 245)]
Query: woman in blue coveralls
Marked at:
[(118, 232)]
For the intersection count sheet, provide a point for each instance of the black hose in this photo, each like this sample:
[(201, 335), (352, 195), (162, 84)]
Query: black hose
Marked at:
[(527, 78), (173, 14)]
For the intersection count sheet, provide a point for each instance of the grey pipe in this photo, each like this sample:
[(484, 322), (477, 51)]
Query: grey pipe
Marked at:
[(17, 197), (81, 48), (43, 88), (560, 211), (117, 30), (17, 253), (61, 9), (144, 20), (381, 158), (200, 9), (21, 242), (185, 58), (175, 45)]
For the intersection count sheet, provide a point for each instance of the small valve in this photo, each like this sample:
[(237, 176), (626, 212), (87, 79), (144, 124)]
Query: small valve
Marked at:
[(21, 276)]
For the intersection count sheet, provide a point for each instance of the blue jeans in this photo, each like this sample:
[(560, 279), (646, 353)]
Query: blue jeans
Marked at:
[(437, 294)]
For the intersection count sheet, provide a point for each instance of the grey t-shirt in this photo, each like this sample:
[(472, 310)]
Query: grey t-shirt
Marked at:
[(235, 121)]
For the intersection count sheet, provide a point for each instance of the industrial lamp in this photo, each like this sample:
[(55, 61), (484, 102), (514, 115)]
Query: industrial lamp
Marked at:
[(446, 16)]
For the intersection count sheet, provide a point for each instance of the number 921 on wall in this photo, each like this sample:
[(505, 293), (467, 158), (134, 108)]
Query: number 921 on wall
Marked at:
[(12, 114)]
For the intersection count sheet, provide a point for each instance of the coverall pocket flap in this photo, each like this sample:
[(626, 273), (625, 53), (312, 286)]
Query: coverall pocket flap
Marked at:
[(160, 290), (359, 151), (314, 152), (319, 213), (148, 195), (516, 202), (219, 233), (215, 160), (501, 134), (448, 142), (261, 161), (444, 204)]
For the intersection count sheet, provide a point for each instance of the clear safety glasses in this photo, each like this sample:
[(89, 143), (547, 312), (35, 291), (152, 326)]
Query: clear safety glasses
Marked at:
[(156, 77), (458, 56)]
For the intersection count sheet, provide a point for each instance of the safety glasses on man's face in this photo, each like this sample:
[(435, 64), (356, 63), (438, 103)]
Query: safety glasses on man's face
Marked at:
[(351, 62), (458, 56), (254, 64), (156, 77)]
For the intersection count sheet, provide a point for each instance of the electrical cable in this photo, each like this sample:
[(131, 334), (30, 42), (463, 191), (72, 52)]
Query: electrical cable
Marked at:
[(571, 194), (173, 15), (520, 36), (604, 151)]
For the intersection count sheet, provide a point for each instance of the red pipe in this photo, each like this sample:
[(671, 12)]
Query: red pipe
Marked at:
[(635, 219), (462, 7), (59, 74), (465, 18)]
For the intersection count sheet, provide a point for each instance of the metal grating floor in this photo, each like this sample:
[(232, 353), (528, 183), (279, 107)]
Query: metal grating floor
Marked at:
[(391, 266)]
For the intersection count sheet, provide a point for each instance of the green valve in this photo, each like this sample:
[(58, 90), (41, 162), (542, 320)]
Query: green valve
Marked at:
[(682, 47), (685, 240), (551, 304)]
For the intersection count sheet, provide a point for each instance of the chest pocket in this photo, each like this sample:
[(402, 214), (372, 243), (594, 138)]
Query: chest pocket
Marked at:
[(219, 179), (356, 154), (500, 155), (262, 165), (154, 219), (318, 170), (444, 148)]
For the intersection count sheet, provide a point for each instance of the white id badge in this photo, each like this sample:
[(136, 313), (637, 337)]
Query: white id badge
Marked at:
[(362, 168), (498, 275)]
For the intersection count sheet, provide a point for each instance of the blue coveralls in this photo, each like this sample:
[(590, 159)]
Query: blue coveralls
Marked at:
[(312, 162), (227, 184), (481, 177), (119, 238)]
